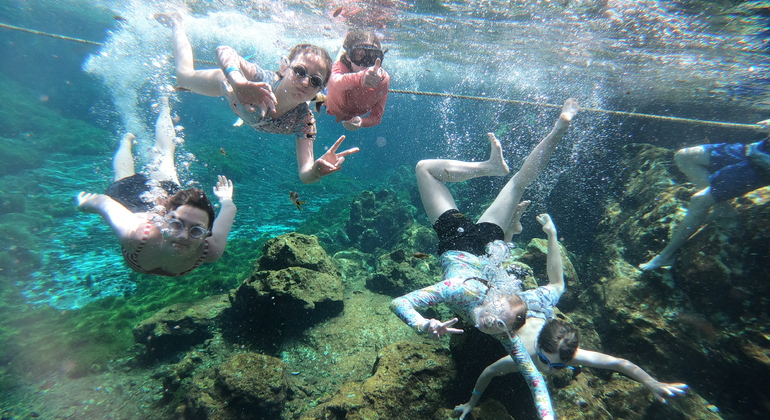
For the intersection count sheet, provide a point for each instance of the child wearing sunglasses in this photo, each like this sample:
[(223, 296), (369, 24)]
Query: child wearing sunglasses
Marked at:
[(163, 229), (271, 102), (358, 85), (473, 286)]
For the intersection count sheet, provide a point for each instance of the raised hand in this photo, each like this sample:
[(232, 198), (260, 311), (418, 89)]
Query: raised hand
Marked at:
[(224, 189), (331, 161), (373, 75), (436, 329), (548, 227)]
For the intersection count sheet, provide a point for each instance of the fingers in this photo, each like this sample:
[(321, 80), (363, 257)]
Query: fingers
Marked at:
[(348, 152), (377, 64), (492, 136), (448, 323), (337, 144)]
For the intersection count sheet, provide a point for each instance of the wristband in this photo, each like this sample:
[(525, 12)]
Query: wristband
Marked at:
[(232, 69), (476, 393)]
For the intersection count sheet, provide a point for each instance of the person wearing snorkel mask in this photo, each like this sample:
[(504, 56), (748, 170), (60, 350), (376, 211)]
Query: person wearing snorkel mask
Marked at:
[(358, 85), (270, 102), (473, 286), (553, 344), (163, 229)]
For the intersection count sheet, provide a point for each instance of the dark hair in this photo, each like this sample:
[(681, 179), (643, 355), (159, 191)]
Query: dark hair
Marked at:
[(357, 37), (193, 197), (301, 49), (559, 337)]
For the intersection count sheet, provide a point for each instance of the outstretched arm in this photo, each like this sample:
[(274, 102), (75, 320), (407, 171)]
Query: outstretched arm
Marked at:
[(535, 379), (127, 225), (501, 367), (224, 221), (660, 390), (405, 307), (554, 262)]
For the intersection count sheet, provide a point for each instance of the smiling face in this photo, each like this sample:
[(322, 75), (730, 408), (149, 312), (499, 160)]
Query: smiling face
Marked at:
[(180, 241), (301, 88)]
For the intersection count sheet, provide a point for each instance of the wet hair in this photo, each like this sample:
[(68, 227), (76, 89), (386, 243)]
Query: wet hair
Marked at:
[(357, 37), (560, 338), (517, 316), (311, 49), (193, 197)]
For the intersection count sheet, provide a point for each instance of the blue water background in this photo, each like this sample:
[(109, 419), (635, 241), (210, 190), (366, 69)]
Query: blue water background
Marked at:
[(656, 57)]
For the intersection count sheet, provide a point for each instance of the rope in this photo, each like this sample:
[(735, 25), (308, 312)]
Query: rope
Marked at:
[(598, 110), (456, 96)]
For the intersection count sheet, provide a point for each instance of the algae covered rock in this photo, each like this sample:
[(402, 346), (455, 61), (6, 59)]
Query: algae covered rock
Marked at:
[(407, 383), (377, 220), (399, 273), (248, 386), (180, 326), (296, 285)]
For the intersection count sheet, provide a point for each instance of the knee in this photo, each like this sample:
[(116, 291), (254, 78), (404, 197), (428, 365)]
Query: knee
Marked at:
[(701, 200), (688, 155)]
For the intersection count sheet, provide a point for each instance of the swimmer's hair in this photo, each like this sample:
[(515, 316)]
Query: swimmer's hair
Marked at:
[(559, 337), (519, 310), (194, 197), (302, 49), (358, 37)]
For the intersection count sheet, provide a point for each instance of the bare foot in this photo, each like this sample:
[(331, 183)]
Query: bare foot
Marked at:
[(168, 20), (548, 227), (516, 227), (659, 261), (569, 110), (496, 163)]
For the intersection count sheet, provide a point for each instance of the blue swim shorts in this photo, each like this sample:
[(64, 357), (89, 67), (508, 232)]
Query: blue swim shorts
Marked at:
[(733, 174)]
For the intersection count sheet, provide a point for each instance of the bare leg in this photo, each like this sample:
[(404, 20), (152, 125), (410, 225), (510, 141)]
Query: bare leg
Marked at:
[(163, 168), (204, 82), (502, 211), (432, 173), (515, 228), (123, 163), (693, 162), (700, 203)]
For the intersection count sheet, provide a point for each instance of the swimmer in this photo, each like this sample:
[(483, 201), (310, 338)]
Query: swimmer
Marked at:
[(495, 307), (175, 232), (720, 172), (271, 102), (358, 85)]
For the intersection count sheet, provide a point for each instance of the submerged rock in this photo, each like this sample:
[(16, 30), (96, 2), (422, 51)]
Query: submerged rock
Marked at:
[(377, 220), (408, 382), (295, 285), (248, 386)]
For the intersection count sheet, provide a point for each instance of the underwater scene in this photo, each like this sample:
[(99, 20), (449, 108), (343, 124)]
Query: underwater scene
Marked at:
[(164, 260)]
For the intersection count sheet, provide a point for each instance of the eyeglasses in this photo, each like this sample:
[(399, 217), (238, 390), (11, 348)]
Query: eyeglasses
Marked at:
[(365, 55), (315, 80), (176, 226), (545, 360)]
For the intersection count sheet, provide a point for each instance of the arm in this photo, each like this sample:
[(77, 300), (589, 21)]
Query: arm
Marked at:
[(405, 307), (126, 225), (501, 367), (312, 171), (240, 74), (534, 378), (224, 221), (600, 360), (554, 263), (377, 111)]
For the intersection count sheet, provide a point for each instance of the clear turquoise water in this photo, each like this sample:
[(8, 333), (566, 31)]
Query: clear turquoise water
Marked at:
[(699, 60)]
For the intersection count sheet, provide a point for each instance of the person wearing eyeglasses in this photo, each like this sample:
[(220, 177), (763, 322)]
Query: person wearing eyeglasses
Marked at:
[(163, 229), (358, 85), (473, 254), (553, 344), (271, 102)]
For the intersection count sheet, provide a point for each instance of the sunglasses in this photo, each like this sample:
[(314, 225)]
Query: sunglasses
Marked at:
[(365, 55), (545, 360), (315, 80), (176, 226)]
